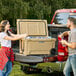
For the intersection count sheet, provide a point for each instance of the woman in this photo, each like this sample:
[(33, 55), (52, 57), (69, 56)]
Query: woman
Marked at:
[(6, 52)]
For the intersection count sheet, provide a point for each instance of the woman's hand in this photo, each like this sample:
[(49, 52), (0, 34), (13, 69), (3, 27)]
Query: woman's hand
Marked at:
[(24, 35)]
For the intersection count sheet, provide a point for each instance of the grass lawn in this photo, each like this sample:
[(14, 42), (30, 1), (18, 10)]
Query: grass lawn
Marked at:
[(18, 72)]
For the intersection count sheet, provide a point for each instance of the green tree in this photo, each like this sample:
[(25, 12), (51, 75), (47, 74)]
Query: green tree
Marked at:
[(39, 10), (32, 9), (13, 9)]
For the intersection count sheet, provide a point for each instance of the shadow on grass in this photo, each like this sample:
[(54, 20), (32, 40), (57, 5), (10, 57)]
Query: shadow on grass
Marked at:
[(18, 72)]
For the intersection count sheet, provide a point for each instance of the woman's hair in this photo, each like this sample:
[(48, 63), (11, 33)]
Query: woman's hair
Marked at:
[(72, 19), (2, 26)]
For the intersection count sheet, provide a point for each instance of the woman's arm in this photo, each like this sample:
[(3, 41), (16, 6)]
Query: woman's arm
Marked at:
[(15, 37)]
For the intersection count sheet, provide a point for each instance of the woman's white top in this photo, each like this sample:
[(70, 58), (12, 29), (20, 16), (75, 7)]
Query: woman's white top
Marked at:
[(5, 43)]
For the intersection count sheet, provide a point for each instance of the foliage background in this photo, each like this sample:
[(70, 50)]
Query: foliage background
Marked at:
[(32, 9)]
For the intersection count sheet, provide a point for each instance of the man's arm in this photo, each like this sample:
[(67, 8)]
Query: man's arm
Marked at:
[(71, 45), (64, 34)]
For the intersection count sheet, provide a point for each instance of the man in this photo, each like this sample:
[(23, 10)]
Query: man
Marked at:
[(71, 61)]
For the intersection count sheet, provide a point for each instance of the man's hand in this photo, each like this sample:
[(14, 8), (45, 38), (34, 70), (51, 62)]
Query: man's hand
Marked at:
[(63, 42), (60, 35)]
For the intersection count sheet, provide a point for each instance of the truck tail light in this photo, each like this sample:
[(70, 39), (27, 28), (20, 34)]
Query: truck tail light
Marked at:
[(61, 53)]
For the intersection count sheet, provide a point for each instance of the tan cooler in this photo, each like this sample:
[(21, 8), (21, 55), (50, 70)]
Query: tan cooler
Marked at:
[(37, 42)]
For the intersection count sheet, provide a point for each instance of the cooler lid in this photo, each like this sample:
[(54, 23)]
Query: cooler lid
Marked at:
[(32, 27)]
